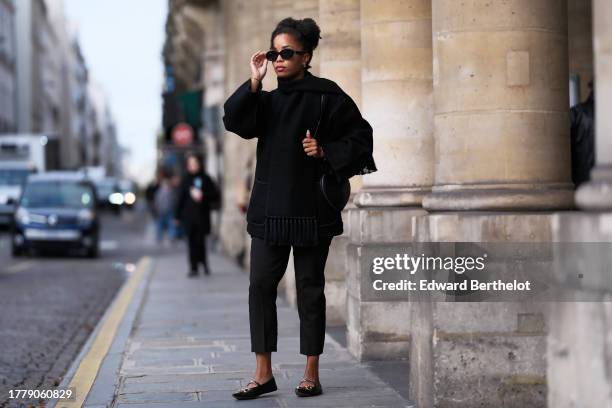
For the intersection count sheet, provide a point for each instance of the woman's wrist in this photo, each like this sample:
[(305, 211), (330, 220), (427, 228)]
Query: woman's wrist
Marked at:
[(255, 82)]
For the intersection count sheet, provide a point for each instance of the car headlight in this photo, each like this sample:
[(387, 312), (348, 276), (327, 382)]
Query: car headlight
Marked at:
[(85, 216), (22, 216), (129, 198), (116, 198)]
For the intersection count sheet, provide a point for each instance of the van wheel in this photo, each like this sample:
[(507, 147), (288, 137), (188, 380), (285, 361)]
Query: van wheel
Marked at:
[(94, 251), (16, 251)]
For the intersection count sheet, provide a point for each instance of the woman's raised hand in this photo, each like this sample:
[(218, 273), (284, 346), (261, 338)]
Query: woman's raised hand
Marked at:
[(259, 65)]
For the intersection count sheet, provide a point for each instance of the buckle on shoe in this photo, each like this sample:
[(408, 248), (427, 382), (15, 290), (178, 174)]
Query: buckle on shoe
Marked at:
[(306, 387), (247, 389)]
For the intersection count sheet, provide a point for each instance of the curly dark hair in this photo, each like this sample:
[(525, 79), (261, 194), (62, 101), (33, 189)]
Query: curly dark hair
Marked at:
[(305, 31)]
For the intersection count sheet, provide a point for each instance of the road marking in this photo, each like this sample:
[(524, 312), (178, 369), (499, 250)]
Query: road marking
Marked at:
[(87, 370), (109, 245), (18, 267)]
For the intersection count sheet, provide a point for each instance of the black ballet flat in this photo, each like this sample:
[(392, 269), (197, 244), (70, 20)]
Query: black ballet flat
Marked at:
[(309, 390), (254, 392)]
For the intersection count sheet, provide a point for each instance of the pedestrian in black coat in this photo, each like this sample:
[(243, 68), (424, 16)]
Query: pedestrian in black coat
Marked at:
[(297, 141), (197, 193), (582, 119)]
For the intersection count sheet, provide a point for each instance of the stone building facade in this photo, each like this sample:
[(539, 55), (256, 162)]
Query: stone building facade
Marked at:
[(52, 90), (8, 57), (66, 62), (102, 145), (78, 79), (39, 69), (39, 76), (469, 102)]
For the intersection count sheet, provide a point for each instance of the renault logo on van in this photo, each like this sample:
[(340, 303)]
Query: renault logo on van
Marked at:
[(52, 219)]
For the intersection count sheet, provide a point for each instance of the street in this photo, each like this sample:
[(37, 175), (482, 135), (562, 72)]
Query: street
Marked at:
[(50, 304)]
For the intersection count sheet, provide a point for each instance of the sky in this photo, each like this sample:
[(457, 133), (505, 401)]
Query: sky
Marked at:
[(122, 42)]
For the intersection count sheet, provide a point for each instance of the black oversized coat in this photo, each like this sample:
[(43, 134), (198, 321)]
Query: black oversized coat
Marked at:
[(196, 214), (286, 205)]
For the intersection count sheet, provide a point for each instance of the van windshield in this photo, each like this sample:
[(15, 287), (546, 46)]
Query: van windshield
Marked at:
[(13, 177), (57, 194), (105, 188)]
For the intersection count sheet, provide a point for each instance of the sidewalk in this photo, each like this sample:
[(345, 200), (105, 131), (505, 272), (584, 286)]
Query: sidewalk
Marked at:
[(185, 343)]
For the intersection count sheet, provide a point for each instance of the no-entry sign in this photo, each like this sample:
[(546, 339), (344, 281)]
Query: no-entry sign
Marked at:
[(182, 134)]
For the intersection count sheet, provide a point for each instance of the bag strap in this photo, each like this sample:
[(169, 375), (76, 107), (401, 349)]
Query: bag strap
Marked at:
[(320, 116)]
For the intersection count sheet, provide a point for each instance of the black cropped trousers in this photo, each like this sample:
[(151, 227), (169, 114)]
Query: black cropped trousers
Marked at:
[(268, 264)]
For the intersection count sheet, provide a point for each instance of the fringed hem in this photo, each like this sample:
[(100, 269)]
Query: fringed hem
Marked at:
[(367, 170), (287, 230)]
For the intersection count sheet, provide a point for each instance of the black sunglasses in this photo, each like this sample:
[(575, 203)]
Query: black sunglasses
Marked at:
[(285, 53)]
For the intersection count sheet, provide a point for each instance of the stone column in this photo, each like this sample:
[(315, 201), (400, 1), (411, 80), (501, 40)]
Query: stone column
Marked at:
[(240, 20), (340, 46), (491, 353), (501, 98), (213, 81), (397, 101), (579, 357), (597, 194), (502, 143), (306, 8), (580, 333)]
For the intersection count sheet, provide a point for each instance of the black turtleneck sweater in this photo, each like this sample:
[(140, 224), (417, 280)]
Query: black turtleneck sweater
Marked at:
[(286, 205)]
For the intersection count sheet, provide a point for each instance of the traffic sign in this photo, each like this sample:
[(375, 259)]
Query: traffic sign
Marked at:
[(182, 134)]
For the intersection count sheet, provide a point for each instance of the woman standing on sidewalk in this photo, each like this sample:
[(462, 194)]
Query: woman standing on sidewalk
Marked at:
[(197, 193), (287, 207)]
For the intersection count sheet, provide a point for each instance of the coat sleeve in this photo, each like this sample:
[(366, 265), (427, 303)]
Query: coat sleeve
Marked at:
[(180, 200), (244, 111), (348, 152), (213, 194)]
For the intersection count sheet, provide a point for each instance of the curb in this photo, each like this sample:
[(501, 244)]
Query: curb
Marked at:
[(93, 376)]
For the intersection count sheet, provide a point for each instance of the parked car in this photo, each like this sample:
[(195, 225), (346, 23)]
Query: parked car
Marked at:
[(56, 211), (109, 195), (12, 177)]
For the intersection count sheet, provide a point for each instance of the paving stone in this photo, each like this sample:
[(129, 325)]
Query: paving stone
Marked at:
[(154, 396)]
